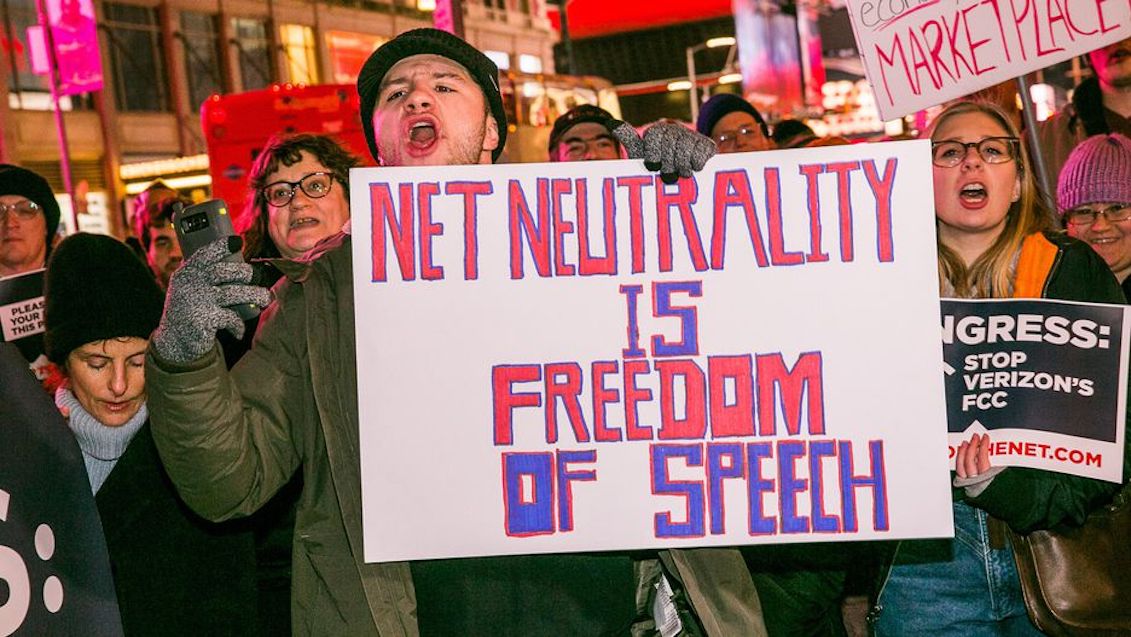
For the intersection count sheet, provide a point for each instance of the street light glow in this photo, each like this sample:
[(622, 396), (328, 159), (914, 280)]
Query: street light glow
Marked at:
[(730, 78), (679, 85), (715, 43)]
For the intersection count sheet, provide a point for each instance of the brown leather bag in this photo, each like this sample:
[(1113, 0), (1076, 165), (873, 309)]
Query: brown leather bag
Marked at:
[(1078, 581)]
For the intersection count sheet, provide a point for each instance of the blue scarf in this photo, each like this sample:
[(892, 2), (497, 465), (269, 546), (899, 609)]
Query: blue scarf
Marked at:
[(101, 445)]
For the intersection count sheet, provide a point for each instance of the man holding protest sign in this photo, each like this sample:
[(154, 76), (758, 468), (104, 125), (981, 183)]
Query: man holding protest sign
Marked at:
[(229, 441)]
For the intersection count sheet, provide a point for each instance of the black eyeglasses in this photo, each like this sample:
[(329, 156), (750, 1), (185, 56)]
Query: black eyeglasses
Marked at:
[(315, 185), (1088, 216), (25, 210), (992, 150)]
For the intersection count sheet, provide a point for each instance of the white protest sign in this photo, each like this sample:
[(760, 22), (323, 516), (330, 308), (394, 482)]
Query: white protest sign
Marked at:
[(918, 53), (21, 311), (575, 357), (23, 318), (1047, 380)]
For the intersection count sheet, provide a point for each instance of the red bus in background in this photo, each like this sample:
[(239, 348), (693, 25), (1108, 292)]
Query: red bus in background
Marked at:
[(237, 126)]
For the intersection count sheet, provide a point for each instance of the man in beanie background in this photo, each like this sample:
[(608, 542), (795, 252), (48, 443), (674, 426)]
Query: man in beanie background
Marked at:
[(584, 132), (1100, 105), (29, 218), (230, 440), (1094, 197), (734, 124), (174, 572)]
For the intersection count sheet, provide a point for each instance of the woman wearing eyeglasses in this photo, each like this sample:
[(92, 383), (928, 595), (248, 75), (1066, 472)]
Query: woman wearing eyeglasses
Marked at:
[(299, 195), (994, 241), (1094, 196)]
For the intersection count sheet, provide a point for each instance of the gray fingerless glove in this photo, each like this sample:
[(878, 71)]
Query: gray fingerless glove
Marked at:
[(199, 301), (673, 149)]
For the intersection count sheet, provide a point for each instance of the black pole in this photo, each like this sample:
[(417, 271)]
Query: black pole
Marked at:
[(566, 43), (1036, 158)]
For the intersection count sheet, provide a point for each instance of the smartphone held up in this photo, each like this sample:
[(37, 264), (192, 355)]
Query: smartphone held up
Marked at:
[(199, 225)]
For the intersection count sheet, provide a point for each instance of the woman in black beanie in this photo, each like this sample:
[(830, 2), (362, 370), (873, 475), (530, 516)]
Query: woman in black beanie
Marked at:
[(175, 574)]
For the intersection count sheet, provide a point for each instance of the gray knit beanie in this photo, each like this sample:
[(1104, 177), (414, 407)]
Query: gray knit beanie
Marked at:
[(1097, 171)]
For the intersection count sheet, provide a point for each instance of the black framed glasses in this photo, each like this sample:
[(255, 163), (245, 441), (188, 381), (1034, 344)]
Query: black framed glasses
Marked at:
[(25, 210), (729, 138), (315, 185), (993, 150), (1087, 216)]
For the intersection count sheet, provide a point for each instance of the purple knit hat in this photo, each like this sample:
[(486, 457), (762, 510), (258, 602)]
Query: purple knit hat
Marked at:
[(1097, 171)]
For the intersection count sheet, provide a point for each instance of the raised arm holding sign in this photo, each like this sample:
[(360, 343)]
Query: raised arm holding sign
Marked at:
[(1047, 381)]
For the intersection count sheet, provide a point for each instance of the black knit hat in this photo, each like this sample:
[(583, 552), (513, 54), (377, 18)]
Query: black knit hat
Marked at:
[(722, 105), (429, 42), (15, 180), (580, 115), (96, 288)]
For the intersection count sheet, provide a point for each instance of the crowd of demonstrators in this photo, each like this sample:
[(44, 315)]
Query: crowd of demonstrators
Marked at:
[(584, 132), (734, 124), (174, 572), (157, 237), (1100, 104), (1094, 198), (427, 98), (276, 437), (995, 240), (29, 219)]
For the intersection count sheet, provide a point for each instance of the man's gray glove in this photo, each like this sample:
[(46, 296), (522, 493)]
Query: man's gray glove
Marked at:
[(671, 148), (200, 299)]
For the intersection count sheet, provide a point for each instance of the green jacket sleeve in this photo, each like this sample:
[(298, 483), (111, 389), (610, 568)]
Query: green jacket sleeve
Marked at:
[(226, 438)]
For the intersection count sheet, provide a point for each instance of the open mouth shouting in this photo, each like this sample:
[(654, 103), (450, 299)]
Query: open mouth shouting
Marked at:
[(422, 133), (973, 195)]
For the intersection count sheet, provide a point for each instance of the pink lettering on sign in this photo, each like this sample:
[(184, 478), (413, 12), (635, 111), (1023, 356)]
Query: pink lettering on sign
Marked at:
[(568, 227)]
